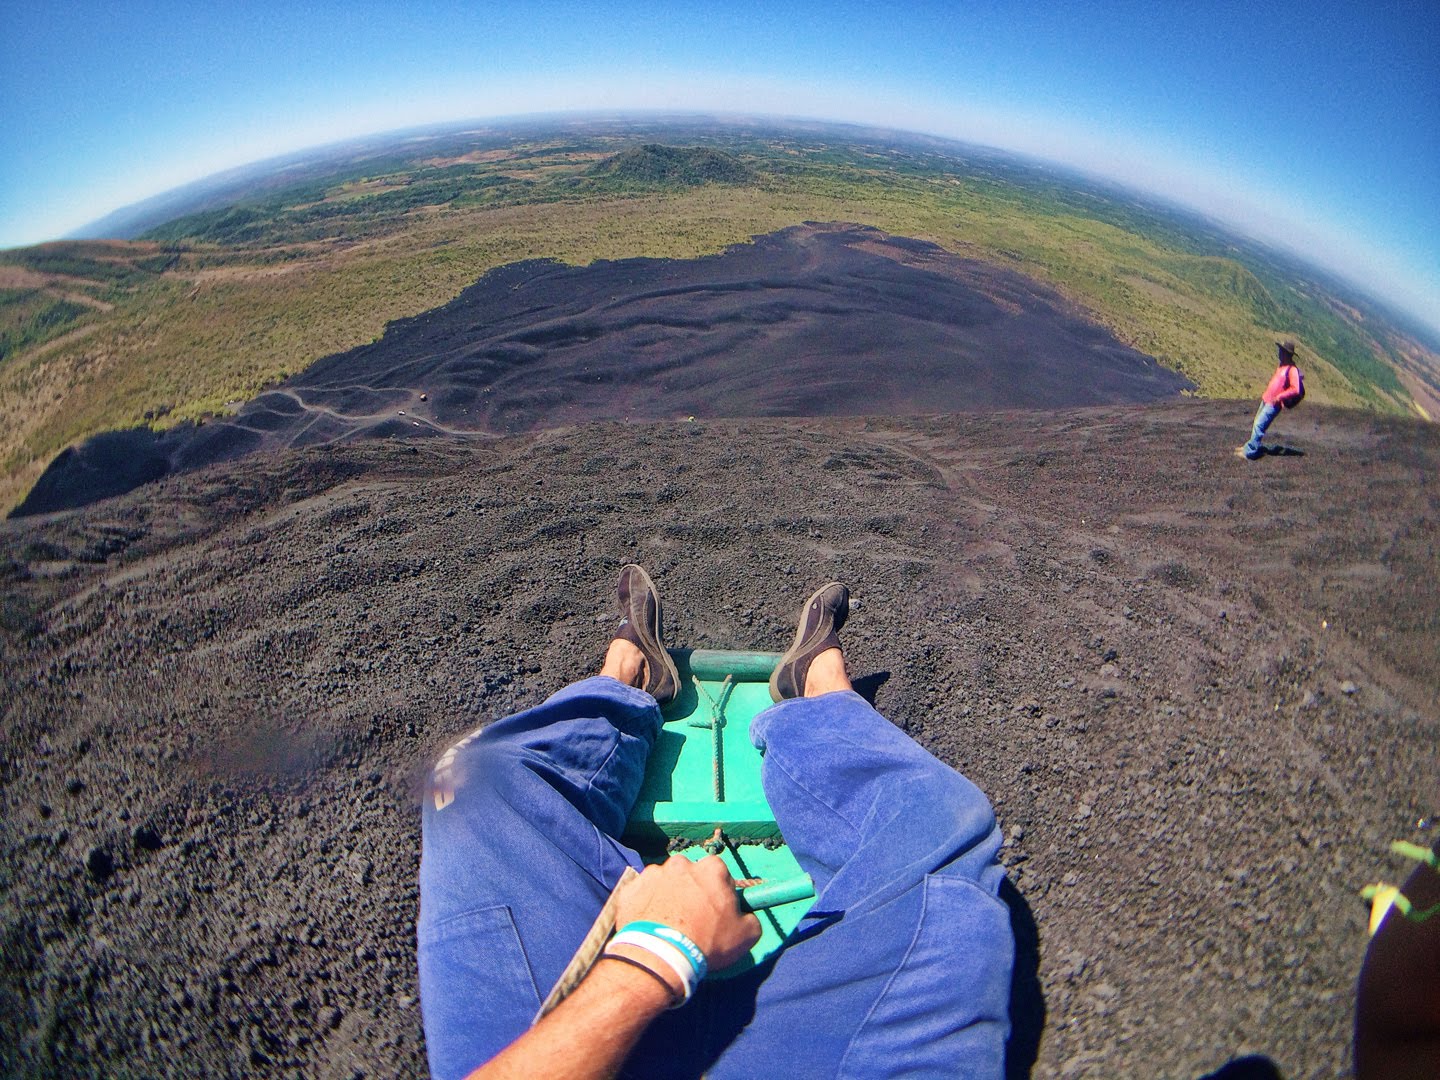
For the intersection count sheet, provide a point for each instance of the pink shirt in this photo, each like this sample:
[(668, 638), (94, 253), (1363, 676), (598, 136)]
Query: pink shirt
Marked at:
[(1287, 387)]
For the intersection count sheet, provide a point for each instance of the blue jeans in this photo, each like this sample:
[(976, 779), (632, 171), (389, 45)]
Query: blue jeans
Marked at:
[(902, 967), (1262, 422)]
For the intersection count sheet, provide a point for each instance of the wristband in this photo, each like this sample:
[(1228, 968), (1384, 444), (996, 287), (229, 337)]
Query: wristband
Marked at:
[(662, 950), (676, 938), (676, 1000)]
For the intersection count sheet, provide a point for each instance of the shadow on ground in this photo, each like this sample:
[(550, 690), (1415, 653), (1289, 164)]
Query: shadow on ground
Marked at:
[(1250, 1067), (1027, 998)]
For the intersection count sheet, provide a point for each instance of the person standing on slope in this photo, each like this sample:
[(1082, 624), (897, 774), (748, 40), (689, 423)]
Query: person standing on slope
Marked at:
[(1286, 389)]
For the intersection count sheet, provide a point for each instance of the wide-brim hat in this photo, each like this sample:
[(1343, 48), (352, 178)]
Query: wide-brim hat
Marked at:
[(1287, 346)]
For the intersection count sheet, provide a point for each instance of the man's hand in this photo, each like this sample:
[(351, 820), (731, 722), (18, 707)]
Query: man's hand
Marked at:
[(593, 1029), (699, 900)]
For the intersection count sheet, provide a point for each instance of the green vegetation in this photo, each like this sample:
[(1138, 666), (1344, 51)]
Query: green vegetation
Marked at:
[(652, 165), (211, 307), (50, 290), (90, 264), (33, 317), (345, 213)]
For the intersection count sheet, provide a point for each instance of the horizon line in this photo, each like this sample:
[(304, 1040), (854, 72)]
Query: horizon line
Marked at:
[(1272, 238)]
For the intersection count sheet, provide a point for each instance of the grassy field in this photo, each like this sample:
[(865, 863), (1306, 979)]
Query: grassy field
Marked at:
[(208, 309)]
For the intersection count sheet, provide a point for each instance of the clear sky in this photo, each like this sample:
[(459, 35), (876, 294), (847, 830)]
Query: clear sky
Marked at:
[(1309, 121)]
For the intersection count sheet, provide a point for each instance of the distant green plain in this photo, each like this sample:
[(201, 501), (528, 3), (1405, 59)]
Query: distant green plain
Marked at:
[(205, 311)]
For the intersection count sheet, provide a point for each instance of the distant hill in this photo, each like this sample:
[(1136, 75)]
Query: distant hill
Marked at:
[(227, 287), (668, 166)]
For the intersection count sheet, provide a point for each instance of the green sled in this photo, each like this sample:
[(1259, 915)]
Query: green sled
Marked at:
[(704, 776)]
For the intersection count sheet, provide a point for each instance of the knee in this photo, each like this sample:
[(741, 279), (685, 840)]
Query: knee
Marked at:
[(947, 808), (472, 757)]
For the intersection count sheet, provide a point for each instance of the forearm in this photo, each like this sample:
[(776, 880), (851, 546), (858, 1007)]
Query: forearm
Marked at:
[(688, 908), (589, 1034)]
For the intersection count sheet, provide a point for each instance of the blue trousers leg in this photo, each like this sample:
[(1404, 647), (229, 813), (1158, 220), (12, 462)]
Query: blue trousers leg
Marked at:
[(903, 966), (519, 852), (1263, 416), (520, 848)]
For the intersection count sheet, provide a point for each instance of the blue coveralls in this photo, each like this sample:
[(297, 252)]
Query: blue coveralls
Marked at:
[(902, 967)]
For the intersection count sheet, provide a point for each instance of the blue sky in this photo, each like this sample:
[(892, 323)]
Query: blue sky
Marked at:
[(1314, 123)]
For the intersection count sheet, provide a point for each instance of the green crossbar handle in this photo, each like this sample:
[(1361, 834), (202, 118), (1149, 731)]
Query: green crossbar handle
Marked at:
[(717, 663), (770, 894), (1416, 852)]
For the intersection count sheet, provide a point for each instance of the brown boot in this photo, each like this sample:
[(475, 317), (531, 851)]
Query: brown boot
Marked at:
[(641, 626), (820, 621)]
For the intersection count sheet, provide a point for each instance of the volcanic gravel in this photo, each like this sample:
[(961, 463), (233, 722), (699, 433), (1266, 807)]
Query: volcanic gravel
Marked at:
[(814, 320), (1200, 691)]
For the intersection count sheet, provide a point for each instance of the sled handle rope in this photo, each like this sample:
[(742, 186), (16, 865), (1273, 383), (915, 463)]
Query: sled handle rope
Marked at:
[(716, 723), (1383, 897), (589, 951)]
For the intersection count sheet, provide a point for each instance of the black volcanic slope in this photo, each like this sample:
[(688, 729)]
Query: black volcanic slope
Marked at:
[(837, 320), (1201, 692)]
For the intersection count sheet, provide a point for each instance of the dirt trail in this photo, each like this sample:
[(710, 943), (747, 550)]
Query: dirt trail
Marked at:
[(1200, 691)]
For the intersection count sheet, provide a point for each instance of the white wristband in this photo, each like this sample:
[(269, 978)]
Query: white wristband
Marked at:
[(672, 957)]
